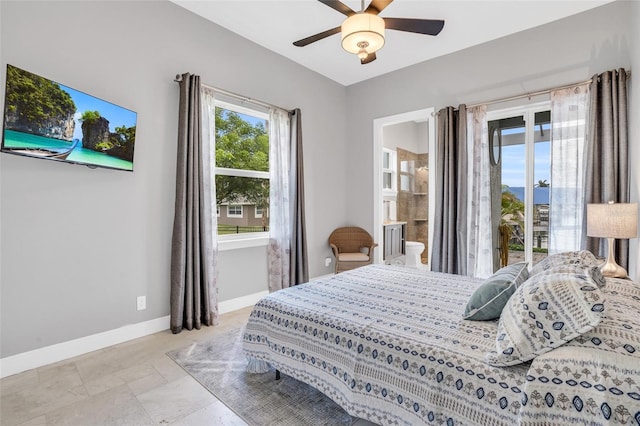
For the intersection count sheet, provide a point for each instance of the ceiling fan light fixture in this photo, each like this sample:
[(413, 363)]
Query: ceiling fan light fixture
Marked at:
[(362, 53), (362, 34)]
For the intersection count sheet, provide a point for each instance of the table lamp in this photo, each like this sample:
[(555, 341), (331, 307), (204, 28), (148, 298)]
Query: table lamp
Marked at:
[(611, 221)]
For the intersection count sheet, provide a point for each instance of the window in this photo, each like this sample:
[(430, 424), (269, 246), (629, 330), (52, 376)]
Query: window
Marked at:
[(407, 172), (258, 212), (218, 210), (525, 173), (242, 167), (389, 170), (234, 210)]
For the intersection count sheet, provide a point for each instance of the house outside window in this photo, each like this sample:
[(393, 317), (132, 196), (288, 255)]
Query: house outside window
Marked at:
[(242, 169)]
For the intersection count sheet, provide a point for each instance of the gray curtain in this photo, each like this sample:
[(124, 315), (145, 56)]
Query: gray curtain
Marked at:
[(299, 265), (449, 253), (608, 152), (193, 297)]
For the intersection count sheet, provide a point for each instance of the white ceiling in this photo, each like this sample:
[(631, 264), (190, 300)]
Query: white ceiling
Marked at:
[(276, 24)]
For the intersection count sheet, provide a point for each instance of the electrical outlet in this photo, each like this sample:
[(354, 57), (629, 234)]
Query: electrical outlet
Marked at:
[(327, 261), (142, 303)]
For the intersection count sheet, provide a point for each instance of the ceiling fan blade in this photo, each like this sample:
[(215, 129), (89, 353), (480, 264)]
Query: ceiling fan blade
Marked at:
[(316, 37), (339, 6), (370, 58), (376, 6), (420, 26)]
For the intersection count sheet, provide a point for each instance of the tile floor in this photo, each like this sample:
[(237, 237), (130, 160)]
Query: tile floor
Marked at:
[(133, 383)]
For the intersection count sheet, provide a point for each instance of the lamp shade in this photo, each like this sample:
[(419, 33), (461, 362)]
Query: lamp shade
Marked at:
[(613, 220), (362, 31)]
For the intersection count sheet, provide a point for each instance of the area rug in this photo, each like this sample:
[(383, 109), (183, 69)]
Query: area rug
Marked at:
[(219, 365)]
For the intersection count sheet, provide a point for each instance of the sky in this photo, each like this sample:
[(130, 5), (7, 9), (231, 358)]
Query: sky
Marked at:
[(116, 115), (246, 117), (252, 120), (513, 162)]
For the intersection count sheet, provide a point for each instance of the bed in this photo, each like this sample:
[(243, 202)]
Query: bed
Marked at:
[(389, 344)]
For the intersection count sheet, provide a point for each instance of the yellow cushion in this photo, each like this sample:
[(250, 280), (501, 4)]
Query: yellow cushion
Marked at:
[(353, 257)]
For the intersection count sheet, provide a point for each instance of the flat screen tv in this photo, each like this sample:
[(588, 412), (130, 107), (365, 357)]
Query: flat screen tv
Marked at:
[(45, 119)]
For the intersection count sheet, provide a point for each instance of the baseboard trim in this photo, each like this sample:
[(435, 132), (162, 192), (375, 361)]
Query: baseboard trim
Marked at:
[(48, 355), (240, 302), (39, 357)]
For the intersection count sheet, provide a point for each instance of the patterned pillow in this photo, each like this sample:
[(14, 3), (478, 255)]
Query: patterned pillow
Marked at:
[(577, 269), (487, 301), (583, 257), (544, 313)]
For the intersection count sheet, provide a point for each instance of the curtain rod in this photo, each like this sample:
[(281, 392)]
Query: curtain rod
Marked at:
[(178, 79), (536, 93)]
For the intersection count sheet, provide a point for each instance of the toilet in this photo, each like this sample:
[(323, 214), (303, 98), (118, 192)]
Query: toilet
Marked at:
[(413, 251)]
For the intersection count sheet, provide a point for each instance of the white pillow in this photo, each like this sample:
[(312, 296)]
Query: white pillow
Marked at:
[(544, 313), (583, 257), (593, 272)]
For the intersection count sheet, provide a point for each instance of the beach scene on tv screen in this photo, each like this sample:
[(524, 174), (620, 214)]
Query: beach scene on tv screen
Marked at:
[(46, 119)]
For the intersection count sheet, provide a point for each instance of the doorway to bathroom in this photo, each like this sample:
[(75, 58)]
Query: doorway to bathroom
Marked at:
[(403, 187)]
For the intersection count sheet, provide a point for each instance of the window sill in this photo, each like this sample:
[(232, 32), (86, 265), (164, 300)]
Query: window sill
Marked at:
[(242, 241)]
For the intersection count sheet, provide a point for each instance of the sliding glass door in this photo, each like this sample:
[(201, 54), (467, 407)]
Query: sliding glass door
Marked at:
[(522, 172)]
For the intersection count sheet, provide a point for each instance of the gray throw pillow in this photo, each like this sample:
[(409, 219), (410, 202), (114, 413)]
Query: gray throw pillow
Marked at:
[(487, 302)]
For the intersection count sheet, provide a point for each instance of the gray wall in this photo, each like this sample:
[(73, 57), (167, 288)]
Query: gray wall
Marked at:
[(79, 245), (563, 52), (236, 278), (409, 135)]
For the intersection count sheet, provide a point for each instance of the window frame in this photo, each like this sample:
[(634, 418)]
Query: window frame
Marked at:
[(235, 215), (247, 239), (391, 170), (527, 112)]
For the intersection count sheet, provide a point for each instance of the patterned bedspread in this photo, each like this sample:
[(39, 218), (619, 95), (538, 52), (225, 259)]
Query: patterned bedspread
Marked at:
[(389, 344), (595, 378)]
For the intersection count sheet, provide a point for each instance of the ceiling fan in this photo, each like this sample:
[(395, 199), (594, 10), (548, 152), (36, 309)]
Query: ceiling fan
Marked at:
[(363, 32)]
